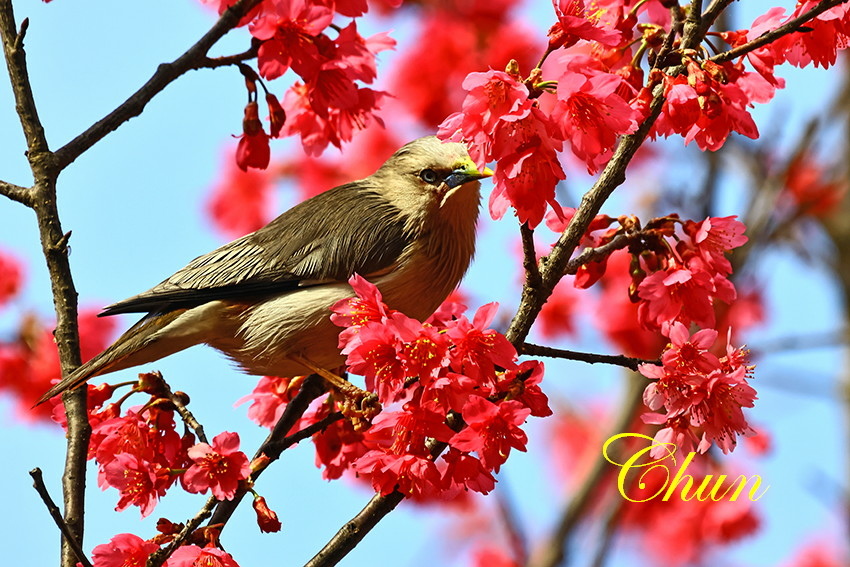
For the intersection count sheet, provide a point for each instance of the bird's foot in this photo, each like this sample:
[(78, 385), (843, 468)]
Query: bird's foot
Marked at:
[(358, 405)]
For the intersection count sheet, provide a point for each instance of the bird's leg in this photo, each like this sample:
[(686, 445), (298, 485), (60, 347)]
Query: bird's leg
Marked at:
[(358, 405)]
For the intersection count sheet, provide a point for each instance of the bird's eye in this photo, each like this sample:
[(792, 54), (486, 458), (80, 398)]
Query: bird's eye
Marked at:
[(429, 176)]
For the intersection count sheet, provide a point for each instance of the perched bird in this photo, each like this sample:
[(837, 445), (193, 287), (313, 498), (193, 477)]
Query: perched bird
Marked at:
[(263, 299)]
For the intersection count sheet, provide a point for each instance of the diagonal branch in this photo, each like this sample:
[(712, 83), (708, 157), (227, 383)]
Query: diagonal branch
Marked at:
[(791, 26), (194, 58), (277, 440), (56, 514)]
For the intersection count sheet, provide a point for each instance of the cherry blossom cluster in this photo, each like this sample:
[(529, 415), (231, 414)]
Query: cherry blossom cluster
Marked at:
[(140, 454), (678, 269), (449, 380), (699, 393), (678, 277), (593, 88), (130, 549), (329, 103)]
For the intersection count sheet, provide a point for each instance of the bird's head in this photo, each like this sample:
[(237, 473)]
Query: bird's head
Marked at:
[(432, 171)]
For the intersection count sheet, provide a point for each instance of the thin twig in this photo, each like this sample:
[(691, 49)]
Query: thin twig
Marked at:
[(56, 514), (185, 413), (589, 357), (215, 62), (790, 26)]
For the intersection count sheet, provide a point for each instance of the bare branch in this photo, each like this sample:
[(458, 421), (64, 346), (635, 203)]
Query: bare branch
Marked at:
[(54, 247), (22, 195), (16, 63), (356, 529), (56, 514), (594, 254), (194, 58), (589, 357), (185, 414)]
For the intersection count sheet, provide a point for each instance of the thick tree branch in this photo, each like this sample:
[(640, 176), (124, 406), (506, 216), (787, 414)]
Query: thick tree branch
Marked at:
[(54, 247), (555, 265), (194, 58)]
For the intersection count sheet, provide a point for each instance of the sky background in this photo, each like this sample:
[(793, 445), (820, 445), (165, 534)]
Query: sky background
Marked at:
[(135, 205)]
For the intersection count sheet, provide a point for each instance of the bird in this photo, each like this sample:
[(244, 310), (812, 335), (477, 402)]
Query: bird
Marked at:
[(264, 299)]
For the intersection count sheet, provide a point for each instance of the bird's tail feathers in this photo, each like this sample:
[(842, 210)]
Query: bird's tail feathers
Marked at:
[(131, 349)]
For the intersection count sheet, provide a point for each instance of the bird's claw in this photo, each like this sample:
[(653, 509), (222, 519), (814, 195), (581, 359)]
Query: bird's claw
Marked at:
[(358, 405)]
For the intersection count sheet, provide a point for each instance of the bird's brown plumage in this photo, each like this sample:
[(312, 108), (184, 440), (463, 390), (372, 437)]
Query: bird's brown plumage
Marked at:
[(264, 299)]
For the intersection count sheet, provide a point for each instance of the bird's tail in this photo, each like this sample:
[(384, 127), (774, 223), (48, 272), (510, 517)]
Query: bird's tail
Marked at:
[(139, 345)]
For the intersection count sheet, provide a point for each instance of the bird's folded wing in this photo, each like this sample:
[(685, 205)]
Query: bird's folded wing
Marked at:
[(315, 242)]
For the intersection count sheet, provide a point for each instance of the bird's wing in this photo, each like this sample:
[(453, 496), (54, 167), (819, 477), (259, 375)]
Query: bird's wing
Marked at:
[(315, 242)]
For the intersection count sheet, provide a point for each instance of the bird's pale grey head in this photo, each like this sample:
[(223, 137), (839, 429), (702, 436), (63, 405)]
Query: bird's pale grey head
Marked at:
[(433, 167)]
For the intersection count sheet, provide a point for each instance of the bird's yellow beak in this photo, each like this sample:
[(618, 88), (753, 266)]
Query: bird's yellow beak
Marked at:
[(465, 171)]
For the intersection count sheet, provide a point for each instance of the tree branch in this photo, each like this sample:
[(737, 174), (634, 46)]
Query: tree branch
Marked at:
[(22, 195), (594, 254), (788, 27), (185, 413), (56, 514), (54, 247), (355, 529), (16, 62), (277, 441), (194, 58), (589, 357), (529, 255), (157, 558)]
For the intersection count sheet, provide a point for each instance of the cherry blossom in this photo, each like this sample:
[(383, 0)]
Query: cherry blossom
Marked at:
[(219, 467)]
